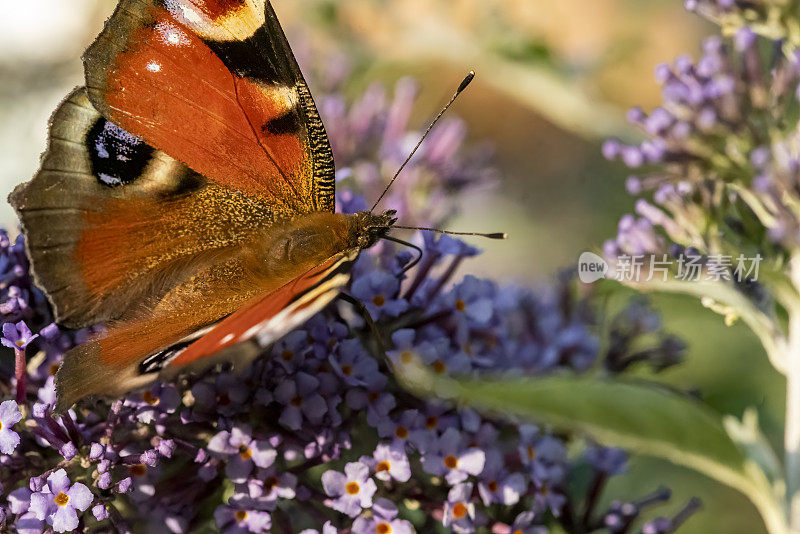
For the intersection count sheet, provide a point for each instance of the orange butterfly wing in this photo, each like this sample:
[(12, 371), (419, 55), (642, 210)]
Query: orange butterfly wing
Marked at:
[(214, 84), (114, 363)]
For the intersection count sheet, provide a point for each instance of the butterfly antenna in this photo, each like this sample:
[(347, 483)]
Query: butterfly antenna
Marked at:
[(497, 235), (465, 82)]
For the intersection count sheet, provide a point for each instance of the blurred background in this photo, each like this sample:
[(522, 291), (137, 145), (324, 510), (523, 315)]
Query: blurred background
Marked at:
[(554, 79)]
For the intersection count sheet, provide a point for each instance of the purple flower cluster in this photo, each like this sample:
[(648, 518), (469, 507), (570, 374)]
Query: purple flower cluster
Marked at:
[(721, 156), (317, 435)]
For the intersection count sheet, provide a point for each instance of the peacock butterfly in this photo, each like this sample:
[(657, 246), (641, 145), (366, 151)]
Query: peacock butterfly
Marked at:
[(186, 197)]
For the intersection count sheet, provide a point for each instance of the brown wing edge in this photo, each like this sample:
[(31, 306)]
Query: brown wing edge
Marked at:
[(50, 208), (324, 167)]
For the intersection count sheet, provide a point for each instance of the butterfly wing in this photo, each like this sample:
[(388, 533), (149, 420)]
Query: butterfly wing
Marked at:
[(278, 313), (112, 221), (214, 84), (115, 363), (195, 138)]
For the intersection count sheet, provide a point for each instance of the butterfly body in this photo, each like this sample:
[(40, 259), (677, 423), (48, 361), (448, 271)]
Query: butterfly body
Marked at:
[(186, 198)]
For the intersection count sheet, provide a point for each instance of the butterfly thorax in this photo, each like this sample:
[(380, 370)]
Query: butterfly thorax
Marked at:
[(310, 239)]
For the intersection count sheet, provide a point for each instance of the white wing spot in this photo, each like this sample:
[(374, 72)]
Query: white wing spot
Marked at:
[(154, 66), (183, 11), (228, 338), (171, 34)]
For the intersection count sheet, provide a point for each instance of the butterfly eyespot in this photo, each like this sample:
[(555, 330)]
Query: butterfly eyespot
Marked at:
[(117, 157)]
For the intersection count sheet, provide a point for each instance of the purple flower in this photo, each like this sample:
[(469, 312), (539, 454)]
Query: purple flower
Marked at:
[(459, 510), (608, 460), (9, 416), (17, 336), (158, 400), (59, 503), (241, 452), (352, 491), (497, 485), (378, 291), (400, 429), (100, 512), (452, 460), (301, 401), (389, 462), (355, 366), (225, 397), (19, 500), (472, 301), (271, 485), (543, 455), (28, 523), (384, 520), (233, 520)]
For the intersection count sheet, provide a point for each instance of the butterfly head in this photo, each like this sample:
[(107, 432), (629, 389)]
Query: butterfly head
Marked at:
[(369, 227)]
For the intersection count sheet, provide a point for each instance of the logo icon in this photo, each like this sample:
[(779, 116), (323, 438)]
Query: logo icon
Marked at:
[(591, 267)]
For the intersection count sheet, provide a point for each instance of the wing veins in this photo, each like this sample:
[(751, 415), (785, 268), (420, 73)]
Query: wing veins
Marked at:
[(255, 134)]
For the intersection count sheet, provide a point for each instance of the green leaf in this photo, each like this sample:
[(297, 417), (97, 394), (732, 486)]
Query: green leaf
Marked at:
[(640, 417)]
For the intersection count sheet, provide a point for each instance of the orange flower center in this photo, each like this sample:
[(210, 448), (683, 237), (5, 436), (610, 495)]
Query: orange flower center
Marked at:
[(460, 306), (406, 357), (240, 515), (223, 399), (62, 499), (378, 300), (401, 432), (347, 370), (287, 355), (531, 453), (297, 401), (352, 488), (451, 462), (245, 452), (492, 486), (150, 399), (53, 369), (271, 483), (373, 396), (431, 422), (383, 528), (383, 466), (459, 510), (439, 367)]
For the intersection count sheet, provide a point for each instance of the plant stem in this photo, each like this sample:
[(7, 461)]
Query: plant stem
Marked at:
[(792, 442), (792, 422), (21, 374)]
